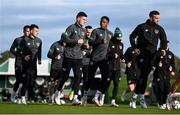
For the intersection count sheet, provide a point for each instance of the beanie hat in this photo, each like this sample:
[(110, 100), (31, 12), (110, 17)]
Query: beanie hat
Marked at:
[(117, 32)]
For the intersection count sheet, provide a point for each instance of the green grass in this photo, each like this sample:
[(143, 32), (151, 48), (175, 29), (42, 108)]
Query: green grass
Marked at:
[(68, 109), (10, 108)]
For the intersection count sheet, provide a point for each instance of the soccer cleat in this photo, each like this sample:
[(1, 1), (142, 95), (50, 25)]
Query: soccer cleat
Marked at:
[(76, 102), (114, 104), (23, 100), (162, 107), (101, 101), (84, 100), (63, 102), (143, 103), (96, 102), (58, 100), (132, 104)]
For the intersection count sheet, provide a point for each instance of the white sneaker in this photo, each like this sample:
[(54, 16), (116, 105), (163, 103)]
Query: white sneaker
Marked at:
[(143, 103), (63, 102), (114, 104), (23, 100), (132, 104), (101, 101), (58, 100), (96, 102), (76, 102), (19, 101), (162, 107), (168, 106)]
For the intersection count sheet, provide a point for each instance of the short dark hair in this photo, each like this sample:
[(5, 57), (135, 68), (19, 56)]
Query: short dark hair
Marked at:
[(33, 26), (25, 27), (80, 14), (105, 17), (154, 12), (88, 27)]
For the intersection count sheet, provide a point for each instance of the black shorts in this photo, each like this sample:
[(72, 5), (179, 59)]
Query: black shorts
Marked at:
[(56, 74), (131, 78)]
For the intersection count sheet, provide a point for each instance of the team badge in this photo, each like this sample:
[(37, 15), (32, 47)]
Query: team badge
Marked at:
[(156, 31), (146, 30), (120, 47), (75, 31), (38, 44), (100, 35), (28, 44), (57, 48), (113, 46), (169, 56), (141, 60)]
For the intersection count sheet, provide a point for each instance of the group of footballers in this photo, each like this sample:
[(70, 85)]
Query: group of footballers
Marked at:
[(84, 50)]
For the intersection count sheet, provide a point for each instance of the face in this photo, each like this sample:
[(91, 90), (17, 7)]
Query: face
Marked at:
[(88, 32), (35, 32), (155, 18), (26, 32), (104, 24), (82, 20)]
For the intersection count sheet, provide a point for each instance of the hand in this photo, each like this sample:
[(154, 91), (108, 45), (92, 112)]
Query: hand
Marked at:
[(86, 45), (58, 57), (27, 58), (123, 61), (84, 53), (116, 55), (170, 68), (153, 68), (172, 73), (39, 61), (129, 64), (137, 51), (80, 41), (160, 64)]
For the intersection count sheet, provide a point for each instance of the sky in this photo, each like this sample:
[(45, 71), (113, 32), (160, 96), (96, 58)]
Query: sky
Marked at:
[(54, 16)]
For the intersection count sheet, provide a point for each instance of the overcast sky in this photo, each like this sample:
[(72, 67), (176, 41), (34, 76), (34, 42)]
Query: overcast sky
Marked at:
[(53, 16)]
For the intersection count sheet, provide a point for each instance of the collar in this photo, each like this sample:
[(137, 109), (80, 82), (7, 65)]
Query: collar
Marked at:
[(149, 22)]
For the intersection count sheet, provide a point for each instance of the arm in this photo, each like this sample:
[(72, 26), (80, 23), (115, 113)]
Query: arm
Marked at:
[(51, 52), (14, 48), (39, 53), (133, 37), (68, 34)]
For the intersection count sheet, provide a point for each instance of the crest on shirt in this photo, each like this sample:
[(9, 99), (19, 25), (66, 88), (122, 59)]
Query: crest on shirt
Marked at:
[(109, 36), (28, 44), (57, 48), (100, 35), (141, 60), (83, 33), (146, 30), (38, 44), (120, 47), (156, 31), (169, 56), (75, 31), (113, 46)]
